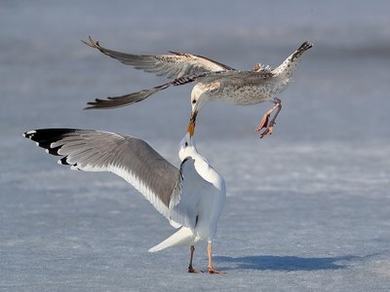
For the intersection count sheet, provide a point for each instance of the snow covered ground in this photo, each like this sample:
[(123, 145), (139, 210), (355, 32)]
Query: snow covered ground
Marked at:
[(297, 217), (308, 209)]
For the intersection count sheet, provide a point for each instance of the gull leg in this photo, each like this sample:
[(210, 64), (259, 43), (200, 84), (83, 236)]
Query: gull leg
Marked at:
[(190, 267), (210, 267), (272, 123), (267, 124), (265, 120)]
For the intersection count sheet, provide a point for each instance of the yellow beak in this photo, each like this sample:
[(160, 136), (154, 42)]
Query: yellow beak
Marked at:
[(191, 124)]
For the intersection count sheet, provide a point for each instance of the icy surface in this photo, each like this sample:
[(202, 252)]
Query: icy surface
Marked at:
[(308, 209)]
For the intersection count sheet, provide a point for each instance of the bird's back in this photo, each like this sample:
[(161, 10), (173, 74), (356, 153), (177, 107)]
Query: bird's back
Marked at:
[(238, 87)]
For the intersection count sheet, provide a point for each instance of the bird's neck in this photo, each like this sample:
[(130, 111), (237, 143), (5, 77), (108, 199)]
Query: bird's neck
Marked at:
[(207, 172)]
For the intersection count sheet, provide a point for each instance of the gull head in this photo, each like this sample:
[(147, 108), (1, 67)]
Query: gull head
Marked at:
[(187, 147), (198, 99)]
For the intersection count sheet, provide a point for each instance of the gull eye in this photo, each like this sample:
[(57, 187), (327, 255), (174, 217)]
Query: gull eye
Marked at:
[(186, 144), (193, 101)]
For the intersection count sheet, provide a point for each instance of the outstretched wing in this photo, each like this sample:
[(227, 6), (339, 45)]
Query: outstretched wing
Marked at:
[(174, 65), (174, 193), (128, 157), (241, 78), (118, 101)]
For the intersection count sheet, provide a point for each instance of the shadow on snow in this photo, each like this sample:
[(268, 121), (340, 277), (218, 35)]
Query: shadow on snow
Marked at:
[(284, 263)]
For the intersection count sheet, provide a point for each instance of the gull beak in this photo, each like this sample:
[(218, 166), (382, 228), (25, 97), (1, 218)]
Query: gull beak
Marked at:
[(192, 123)]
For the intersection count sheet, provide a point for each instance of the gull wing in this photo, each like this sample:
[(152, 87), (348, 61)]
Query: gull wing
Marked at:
[(240, 78), (128, 157), (174, 65)]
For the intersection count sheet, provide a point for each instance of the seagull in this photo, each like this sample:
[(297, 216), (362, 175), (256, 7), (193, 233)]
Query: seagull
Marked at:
[(214, 81), (191, 197)]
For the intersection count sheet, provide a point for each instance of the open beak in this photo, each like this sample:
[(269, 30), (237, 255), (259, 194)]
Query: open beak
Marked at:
[(192, 123)]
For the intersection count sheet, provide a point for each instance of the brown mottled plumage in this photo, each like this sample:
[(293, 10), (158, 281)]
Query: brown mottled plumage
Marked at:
[(215, 81)]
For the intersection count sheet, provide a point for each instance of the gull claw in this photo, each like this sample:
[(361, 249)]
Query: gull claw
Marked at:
[(191, 270), (212, 270), (266, 132)]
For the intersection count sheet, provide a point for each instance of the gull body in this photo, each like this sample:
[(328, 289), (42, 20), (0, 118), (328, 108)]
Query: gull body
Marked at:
[(246, 87), (191, 197), (214, 81)]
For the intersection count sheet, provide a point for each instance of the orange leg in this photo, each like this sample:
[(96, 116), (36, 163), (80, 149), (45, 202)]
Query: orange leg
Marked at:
[(210, 268)]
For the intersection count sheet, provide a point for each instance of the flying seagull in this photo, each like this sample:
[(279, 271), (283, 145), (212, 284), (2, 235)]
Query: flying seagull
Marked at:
[(191, 197), (214, 81)]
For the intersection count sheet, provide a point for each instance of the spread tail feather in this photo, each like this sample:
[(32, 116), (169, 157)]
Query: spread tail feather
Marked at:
[(285, 69), (183, 236), (298, 52)]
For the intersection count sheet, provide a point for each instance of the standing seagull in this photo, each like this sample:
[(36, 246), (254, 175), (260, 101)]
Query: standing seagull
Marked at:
[(191, 197), (215, 81)]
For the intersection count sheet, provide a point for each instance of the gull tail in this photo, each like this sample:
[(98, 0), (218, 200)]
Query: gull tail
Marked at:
[(118, 101), (182, 237), (287, 67), (298, 52)]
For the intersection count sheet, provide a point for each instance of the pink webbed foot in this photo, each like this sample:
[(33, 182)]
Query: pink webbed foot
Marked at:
[(213, 270), (265, 122)]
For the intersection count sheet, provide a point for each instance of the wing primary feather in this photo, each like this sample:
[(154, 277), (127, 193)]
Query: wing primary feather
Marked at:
[(173, 65), (130, 158)]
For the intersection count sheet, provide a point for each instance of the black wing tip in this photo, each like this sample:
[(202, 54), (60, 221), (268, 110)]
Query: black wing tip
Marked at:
[(63, 161), (93, 106), (29, 134), (54, 132), (99, 104), (44, 139)]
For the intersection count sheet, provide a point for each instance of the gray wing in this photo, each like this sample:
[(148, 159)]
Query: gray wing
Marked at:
[(174, 65), (118, 101), (238, 78), (128, 157)]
